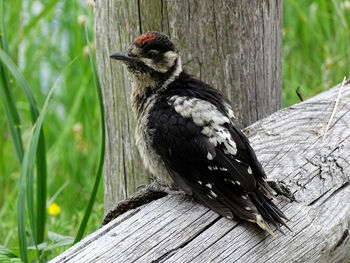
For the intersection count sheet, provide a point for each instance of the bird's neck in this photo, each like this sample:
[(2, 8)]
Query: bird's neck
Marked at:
[(144, 86), (175, 71)]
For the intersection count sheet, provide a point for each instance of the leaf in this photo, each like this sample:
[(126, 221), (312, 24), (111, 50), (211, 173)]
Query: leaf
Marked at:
[(7, 256), (5, 259), (57, 241), (59, 238), (40, 247), (4, 251)]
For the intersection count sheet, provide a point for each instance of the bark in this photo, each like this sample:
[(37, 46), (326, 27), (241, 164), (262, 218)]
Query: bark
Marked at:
[(293, 147), (233, 45)]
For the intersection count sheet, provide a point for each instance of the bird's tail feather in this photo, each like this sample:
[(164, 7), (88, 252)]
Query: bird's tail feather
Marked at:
[(268, 211)]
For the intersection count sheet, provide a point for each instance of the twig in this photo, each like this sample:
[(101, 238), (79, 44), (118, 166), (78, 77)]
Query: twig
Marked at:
[(299, 94), (334, 110)]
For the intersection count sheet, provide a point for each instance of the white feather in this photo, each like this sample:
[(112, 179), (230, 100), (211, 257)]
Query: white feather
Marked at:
[(206, 115)]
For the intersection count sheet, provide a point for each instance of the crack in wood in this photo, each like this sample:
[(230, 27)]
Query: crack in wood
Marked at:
[(314, 202), (139, 16), (341, 240), (183, 244), (337, 191), (223, 236)]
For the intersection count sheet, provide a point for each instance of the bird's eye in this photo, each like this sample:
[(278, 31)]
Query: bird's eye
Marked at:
[(151, 54)]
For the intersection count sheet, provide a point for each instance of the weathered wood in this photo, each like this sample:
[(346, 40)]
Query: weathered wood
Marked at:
[(234, 45), (291, 147)]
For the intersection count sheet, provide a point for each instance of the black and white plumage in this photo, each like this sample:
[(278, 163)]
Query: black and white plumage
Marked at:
[(186, 137)]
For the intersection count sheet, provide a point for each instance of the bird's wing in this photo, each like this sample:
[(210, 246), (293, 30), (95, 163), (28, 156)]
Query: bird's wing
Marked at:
[(206, 156)]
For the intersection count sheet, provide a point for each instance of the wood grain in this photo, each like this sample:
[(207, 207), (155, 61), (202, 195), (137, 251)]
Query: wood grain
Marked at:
[(233, 45), (290, 145)]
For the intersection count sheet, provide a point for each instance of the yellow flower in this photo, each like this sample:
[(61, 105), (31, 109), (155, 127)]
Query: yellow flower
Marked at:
[(54, 209)]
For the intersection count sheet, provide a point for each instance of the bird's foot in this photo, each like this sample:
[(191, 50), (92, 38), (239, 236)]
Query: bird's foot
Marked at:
[(281, 189), (139, 198), (144, 195), (158, 187)]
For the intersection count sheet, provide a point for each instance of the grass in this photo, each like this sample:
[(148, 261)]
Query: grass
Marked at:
[(316, 46), (44, 37)]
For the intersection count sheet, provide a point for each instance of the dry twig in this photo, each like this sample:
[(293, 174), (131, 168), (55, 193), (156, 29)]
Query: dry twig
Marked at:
[(334, 110)]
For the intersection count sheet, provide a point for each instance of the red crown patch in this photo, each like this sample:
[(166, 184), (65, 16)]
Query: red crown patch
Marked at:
[(144, 39)]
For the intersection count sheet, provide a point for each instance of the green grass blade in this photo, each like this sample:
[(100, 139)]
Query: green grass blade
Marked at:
[(28, 167), (8, 102), (21, 210), (11, 66), (11, 114), (3, 35), (26, 173), (37, 228), (30, 202), (5, 59), (100, 165), (41, 189)]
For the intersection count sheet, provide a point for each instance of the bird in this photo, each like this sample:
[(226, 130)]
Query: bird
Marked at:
[(186, 136)]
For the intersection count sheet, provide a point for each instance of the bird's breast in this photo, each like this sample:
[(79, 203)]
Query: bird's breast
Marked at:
[(143, 135)]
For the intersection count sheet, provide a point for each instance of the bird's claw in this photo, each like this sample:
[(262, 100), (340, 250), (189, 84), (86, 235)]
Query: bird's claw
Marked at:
[(281, 189), (157, 187)]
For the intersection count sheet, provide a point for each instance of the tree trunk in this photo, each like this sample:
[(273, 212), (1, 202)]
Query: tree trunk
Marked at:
[(233, 45)]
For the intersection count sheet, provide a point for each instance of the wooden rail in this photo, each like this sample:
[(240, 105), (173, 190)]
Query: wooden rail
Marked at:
[(293, 148)]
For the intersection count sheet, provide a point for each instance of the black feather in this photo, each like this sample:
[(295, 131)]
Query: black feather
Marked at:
[(223, 182)]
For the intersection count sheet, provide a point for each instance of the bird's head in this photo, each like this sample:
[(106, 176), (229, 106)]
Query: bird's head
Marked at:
[(152, 57)]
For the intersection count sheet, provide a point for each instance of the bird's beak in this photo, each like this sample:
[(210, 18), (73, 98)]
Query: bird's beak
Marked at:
[(122, 56)]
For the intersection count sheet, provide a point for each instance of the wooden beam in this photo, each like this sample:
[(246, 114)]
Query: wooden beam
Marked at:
[(291, 146)]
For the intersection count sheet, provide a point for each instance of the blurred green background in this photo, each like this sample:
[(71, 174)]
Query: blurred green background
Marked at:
[(45, 36)]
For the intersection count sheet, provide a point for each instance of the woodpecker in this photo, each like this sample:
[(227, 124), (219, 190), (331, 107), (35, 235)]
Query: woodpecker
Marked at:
[(186, 136)]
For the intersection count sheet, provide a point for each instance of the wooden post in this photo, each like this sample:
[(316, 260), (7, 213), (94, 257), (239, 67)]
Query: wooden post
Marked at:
[(233, 45), (294, 148)]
